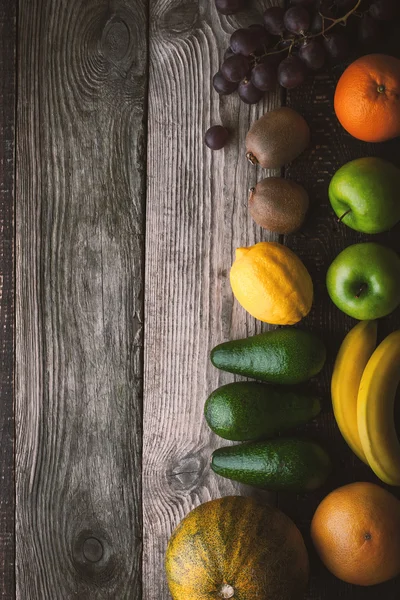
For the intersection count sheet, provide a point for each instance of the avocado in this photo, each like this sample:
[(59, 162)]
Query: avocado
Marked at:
[(283, 464), (282, 356), (250, 411)]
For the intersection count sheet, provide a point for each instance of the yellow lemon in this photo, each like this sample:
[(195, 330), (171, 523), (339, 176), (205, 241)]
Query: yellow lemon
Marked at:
[(272, 283)]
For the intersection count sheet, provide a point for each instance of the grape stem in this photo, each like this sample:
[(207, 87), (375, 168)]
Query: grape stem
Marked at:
[(296, 39), (288, 50), (337, 21)]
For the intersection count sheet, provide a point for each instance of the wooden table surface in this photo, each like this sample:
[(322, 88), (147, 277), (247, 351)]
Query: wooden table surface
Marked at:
[(118, 229)]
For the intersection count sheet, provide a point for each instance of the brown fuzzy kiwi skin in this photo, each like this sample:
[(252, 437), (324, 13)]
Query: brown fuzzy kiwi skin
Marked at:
[(277, 138), (279, 205)]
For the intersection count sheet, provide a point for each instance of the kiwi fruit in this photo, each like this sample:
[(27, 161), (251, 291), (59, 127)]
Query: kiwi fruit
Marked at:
[(279, 205), (277, 138)]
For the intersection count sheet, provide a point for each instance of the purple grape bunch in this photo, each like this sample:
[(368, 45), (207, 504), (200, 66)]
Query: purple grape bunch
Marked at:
[(296, 41)]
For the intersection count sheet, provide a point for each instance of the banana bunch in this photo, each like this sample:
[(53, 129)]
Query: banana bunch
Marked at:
[(364, 385)]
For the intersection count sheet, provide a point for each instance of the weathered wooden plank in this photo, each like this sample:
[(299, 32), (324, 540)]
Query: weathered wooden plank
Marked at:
[(319, 242), (7, 147), (80, 197), (196, 217)]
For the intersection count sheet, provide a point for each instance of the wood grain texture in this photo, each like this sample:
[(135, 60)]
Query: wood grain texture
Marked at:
[(7, 147), (196, 218), (80, 207), (320, 241)]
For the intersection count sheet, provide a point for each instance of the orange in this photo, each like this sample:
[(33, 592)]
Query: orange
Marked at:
[(367, 98), (356, 532)]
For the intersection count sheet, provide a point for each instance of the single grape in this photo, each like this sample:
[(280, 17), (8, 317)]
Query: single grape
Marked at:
[(303, 2), (229, 7), (264, 76), (292, 72), (336, 45), (344, 6), (228, 52), (317, 23), (222, 85), (369, 31), (258, 26), (263, 38), (243, 41), (351, 28), (327, 9), (312, 53), (235, 68), (297, 19), (384, 10), (216, 137), (249, 41), (273, 19), (249, 93), (273, 59)]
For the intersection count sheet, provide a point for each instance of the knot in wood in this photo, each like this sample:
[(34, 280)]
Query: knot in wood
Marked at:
[(116, 40), (93, 556), (180, 19), (93, 550), (186, 473)]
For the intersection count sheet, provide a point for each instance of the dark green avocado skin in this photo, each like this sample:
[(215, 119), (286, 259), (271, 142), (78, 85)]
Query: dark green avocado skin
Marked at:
[(286, 464), (282, 356), (245, 410)]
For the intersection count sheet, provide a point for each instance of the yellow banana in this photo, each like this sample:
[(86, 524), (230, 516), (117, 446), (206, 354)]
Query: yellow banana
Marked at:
[(375, 410), (354, 353)]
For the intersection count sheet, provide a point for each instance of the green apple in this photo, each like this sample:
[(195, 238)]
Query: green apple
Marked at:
[(365, 194), (364, 281)]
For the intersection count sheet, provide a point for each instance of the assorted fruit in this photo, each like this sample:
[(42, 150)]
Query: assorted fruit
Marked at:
[(364, 281), (363, 398), (272, 283), (355, 531), (284, 356), (367, 98), (375, 410), (250, 411), (282, 464), (244, 411), (353, 356), (216, 137), (364, 194), (277, 138), (302, 39), (236, 547), (278, 205)]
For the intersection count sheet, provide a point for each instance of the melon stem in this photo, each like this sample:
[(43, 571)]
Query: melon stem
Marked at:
[(226, 591)]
